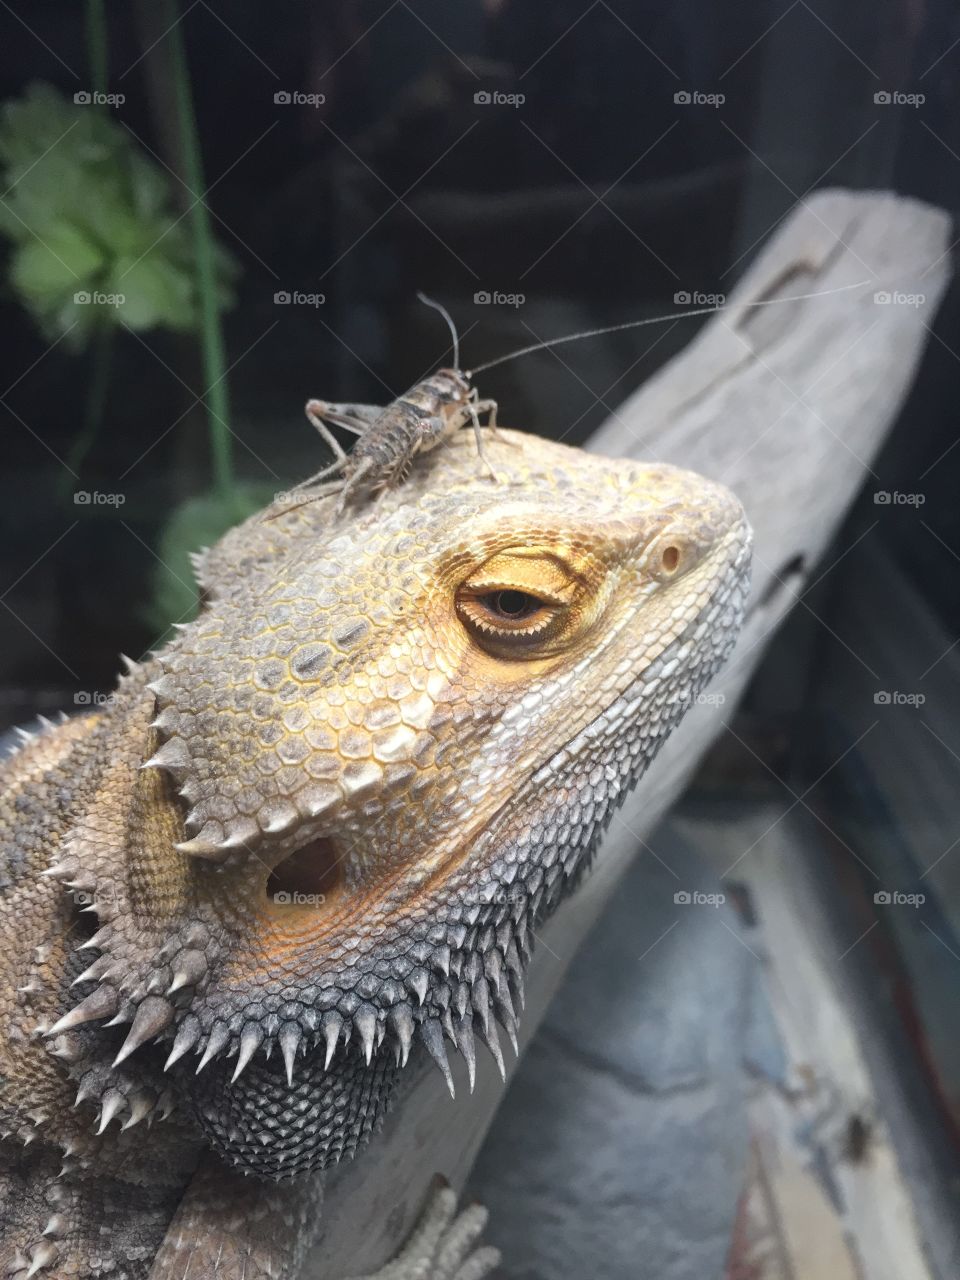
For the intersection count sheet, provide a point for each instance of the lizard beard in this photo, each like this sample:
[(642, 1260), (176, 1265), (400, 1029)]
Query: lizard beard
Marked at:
[(275, 1130)]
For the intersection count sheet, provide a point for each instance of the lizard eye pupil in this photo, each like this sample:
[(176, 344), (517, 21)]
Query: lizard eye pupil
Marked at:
[(508, 621), (512, 604)]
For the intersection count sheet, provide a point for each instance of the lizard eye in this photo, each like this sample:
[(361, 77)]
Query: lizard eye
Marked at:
[(522, 603), (507, 615)]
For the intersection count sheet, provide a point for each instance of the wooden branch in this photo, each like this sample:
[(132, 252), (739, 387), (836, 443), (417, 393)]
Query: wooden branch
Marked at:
[(788, 405)]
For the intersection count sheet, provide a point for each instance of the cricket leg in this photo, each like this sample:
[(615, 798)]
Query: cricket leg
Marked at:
[(353, 482), (474, 411), (317, 411), (282, 507), (354, 417), (489, 407)]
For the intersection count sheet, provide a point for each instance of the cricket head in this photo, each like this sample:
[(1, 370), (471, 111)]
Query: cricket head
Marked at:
[(390, 745)]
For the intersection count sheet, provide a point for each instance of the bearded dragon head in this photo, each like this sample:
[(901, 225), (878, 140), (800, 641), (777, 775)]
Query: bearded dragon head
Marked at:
[(381, 754)]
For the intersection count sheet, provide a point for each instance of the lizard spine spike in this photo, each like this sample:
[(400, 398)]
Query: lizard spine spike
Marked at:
[(43, 1256), (218, 1039), (140, 1107), (365, 1021), (492, 1041), (61, 870), (467, 1047), (191, 966), (172, 756), (402, 1021), (101, 1003), (100, 940), (332, 1023), (249, 1044), (289, 1044), (419, 983), (113, 1102), (153, 1016), (186, 1039), (432, 1037), (94, 972)]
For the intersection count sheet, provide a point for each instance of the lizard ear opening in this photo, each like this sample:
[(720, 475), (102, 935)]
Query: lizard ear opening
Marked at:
[(311, 876)]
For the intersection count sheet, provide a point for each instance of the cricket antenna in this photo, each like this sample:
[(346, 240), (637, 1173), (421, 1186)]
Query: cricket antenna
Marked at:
[(450, 325), (636, 324)]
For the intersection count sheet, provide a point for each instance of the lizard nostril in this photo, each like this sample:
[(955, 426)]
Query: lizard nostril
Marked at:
[(310, 876), (670, 559)]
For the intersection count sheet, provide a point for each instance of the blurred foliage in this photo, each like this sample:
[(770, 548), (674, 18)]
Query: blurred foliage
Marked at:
[(89, 213), (197, 522)]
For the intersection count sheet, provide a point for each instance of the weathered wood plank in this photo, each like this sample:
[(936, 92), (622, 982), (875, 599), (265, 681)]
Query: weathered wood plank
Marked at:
[(788, 405)]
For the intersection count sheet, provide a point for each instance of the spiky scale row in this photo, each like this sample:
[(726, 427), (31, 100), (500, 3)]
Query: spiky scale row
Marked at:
[(120, 1097)]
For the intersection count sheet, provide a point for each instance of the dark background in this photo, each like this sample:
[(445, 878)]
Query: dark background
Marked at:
[(597, 199)]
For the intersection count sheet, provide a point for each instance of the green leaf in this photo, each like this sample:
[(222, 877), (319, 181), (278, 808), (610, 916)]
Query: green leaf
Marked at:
[(155, 292), (90, 212), (63, 263)]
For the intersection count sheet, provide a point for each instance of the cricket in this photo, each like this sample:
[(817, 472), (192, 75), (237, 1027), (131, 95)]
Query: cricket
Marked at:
[(389, 437)]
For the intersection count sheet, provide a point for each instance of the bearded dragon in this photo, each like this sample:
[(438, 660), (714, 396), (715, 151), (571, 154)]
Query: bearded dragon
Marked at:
[(306, 846)]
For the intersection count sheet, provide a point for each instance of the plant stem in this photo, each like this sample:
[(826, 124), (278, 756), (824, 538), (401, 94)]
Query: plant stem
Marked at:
[(100, 361), (96, 400), (96, 22), (216, 398)]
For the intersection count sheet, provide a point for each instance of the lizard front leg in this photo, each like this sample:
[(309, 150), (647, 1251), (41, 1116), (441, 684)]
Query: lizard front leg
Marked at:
[(231, 1225)]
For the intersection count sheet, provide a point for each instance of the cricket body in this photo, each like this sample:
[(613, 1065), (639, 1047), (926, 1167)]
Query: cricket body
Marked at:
[(391, 437), (303, 851)]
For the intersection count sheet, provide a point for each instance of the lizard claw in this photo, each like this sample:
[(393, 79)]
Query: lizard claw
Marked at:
[(443, 1244)]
